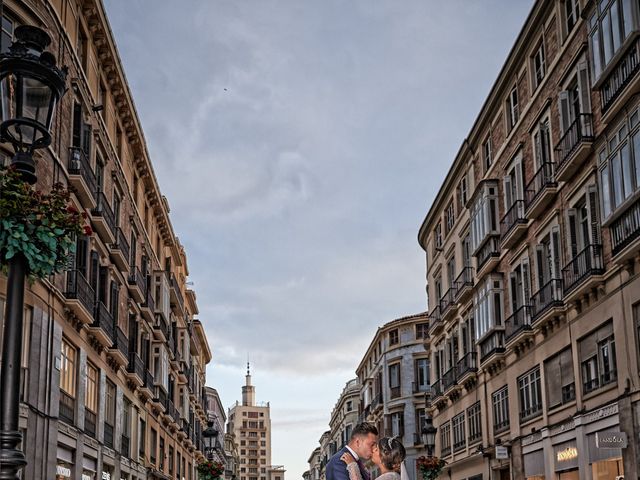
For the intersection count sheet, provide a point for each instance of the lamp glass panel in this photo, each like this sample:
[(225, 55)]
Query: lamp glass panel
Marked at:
[(36, 100)]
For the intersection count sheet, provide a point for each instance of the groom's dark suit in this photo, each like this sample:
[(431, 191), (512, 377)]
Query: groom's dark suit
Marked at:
[(337, 470)]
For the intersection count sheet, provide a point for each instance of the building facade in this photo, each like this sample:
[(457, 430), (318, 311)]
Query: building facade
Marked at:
[(532, 247), (250, 424), (394, 378), (344, 415), (113, 355), (217, 417)]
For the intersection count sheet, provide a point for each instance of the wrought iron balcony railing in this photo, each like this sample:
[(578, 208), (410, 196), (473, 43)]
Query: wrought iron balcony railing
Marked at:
[(620, 76), (103, 209), (78, 288), (580, 130), (543, 178), (514, 216), (519, 321), (549, 295), (468, 363), (625, 229), (79, 165), (586, 263)]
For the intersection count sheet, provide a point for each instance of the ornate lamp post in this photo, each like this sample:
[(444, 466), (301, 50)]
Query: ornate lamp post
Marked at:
[(210, 438), (429, 436), (30, 87)]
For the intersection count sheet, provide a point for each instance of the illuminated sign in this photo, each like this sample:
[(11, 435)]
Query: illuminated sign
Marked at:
[(611, 440), (63, 471), (568, 453)]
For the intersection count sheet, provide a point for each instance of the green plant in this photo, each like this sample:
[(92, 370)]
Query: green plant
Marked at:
[(210, 470), (430, 467), (40, 226)]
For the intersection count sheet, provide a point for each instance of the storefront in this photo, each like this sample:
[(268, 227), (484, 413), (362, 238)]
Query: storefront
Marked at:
[(64, 463), (605, 454), (565, 456), (89, 468), (534, 465)]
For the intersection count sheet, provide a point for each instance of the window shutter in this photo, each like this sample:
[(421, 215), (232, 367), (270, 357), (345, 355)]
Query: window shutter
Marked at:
[(563, 110), (514, 291), (540, 264), (86, 139), (508, 201), (102, 284), (583, 86), (555, 251), (95, 267), (133, 333), (526, 282), (537, 140), (545, 143), (519, 182), (573, 235), (592, 208), (81, 254), (77, 125)]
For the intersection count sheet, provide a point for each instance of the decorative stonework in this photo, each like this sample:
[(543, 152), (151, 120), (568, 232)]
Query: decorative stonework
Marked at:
[(600, 413), (68, 430), (566, 426), (534, 437)]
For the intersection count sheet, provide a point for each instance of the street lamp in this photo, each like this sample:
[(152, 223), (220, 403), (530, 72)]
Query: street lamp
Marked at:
[(210, 438), (429, 436), (30, 87)]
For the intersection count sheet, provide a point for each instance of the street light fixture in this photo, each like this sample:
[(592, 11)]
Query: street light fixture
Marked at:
[(429, 436), (30, 87), (210, 438)]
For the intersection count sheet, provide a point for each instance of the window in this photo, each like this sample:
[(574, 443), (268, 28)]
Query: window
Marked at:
[(422, 374), (91, 400), (548, 259), (7, 33), (559, 379), (584, 231), (520, 286), (445, 439), (82, 47), (393, 337), (142, 433), (488, 306), (487, 159), (68, 369), (484, 215), (571, 15), (171, 459), (462, 192), (538, 64), (542, 150), (421, 417), (459, 439), (512, 107), (609, 26), (573, 103), (530, 393), (598, 358), (437, 237), (161, 366), (109, 413), (397, 424), (126, 427), (450, 218), (500, 402), (153, 440), (421, 330), (394, 380), (475, 422), (514, 190)]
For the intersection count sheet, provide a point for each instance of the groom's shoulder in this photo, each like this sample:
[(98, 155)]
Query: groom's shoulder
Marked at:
[(337, 455)]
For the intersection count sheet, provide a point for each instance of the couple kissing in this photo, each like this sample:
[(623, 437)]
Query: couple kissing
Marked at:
[(387, 453)]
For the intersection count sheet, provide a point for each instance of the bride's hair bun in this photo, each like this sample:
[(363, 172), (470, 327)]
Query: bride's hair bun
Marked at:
[(392, 452)]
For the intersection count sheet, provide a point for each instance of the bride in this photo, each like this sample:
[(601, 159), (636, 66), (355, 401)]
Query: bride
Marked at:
[(388, 454)]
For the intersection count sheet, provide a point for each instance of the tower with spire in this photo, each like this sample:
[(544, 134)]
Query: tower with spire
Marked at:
[(248, 391)]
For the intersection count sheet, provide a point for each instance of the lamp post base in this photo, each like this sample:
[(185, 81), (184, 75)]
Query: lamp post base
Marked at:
[(11, 458)]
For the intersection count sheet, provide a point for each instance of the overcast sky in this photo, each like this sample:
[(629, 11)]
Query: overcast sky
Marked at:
[(300, 144)]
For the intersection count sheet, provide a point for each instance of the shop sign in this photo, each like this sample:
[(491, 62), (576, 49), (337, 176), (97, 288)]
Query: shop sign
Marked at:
[(611, 440), (87, 477), (568, 453), (63, 471), (106, 476), (502, 453)]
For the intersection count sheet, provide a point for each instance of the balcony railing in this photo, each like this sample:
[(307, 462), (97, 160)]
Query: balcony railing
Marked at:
[(78, 288), (79, 165), (67, 408), (122, 244), (149, 302), (108, 435), (121, 342), (468, 363), (519, 321), (625, 229), (103, 319), (501, 426), (162, 325), (434, 318), (543, 178), (89, 423), (620, 76), (395, 392), (448, 300), (531, 412), (376, 401), (148, 380), (136, 365), (136, 278), (494, 343), (103, 209), (490, 249), (586, 263), (607, 377), (464, 280), (580, 130), (449, 378), (176, 291), (436, 388), (549, 295), (418, 387), (124, 446), (514, 216)]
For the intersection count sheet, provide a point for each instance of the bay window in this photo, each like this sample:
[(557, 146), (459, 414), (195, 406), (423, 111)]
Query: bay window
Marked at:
[(484, 214), (487, 306)]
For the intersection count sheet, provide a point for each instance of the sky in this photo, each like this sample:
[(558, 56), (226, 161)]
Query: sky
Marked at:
[(300, 144)]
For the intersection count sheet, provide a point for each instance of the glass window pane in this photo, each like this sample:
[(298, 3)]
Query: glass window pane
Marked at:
[(606, 192), (627, 18), (616, 174), (615, 27), (636, 155), (627, 170), (595, 51), (607, 41)]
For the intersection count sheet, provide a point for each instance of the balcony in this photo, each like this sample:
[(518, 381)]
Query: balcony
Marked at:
[(492, 349), (418, 387), (624, 232), (135, 369), (467, 367), (517, 328), (609, 376), (173, 413), (108, 435), (450, 379), (89, 423), (583, 271), (448, 305), (125, 449), (81, 177), (120, 251), (102, 326), (488, 255), (103, 220), (614, 86), (147, 387), (159, 398), (120, 350), (574, 147), (175, 293), (376, 402), (513, 225), (541, 190), (161, 329), (80, 296), (148, 307), (435, 321), (137, 284), (183, 372), (67, 408), (464, 285), (437, 391), (547, 303)]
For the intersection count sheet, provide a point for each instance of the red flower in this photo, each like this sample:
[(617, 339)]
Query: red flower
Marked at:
[(72, 209), (87, 230)]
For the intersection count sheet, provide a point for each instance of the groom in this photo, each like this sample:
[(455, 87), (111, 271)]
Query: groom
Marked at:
[(360, 447)]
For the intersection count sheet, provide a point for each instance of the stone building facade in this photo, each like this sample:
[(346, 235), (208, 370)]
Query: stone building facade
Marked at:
[(218, 419), (532, 248), (113, 354)]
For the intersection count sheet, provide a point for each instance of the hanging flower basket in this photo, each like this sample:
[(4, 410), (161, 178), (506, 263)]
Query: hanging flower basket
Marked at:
[(210, 470), (42, 227), (430, 467)]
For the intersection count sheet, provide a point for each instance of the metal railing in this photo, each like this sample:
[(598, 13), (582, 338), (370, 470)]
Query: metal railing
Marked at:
[(417, 387), (531, 412), (176, 288), (494, 343), (620, 76), (122, 244), (136, 365), (103, 319), (468, 363), (136, 278), (108, 435), (148, 300), (79, 165), (103, 209), (519, 321), (148, 380), (160, 396), (586, 263), (89, 423), (121, 342), (449, 378), (490, 249), (549, 295), (376, 401), (435, 318), (543, 178), (625, 229), (436, 388), (448, 300), (514, 216), (67, 408), (162, 325), (580, 130), (78, 288), (464, 280)]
